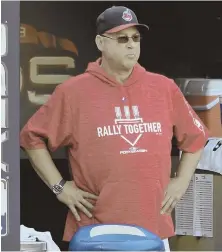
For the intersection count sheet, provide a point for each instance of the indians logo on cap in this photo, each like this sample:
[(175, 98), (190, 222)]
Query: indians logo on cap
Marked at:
[(127, 16)]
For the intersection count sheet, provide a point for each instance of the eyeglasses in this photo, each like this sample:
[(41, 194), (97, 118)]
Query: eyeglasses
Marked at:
[(125, 39)]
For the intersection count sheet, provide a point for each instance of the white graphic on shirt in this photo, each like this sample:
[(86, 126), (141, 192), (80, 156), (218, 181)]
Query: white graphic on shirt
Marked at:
[(128, 122), (196, 122)]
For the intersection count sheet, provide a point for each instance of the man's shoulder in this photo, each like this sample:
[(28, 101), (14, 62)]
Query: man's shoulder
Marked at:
[(160, 80), (74, 82), (162, 84)]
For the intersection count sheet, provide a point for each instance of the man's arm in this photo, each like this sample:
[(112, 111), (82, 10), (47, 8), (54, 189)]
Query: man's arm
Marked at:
[(188, 164), (191, 136), (71, 196), (48, 129), (44, 166), (178, 185)]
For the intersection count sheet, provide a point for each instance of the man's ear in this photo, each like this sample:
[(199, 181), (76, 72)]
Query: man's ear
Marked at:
[(99, 42)]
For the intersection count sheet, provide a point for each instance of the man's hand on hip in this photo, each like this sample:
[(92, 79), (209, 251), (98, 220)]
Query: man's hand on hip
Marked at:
[(75, 198), (174, 192)]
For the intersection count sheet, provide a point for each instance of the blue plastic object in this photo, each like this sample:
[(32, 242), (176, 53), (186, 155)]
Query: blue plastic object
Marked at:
[(115, 237)]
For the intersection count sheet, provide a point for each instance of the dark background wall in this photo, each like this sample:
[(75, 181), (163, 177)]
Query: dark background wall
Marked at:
[(185, 40), (181, 33)]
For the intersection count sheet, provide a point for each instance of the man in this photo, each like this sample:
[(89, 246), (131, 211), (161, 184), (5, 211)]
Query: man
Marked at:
[(118, 121)]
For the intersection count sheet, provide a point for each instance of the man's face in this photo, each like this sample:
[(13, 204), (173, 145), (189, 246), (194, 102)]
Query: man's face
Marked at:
[(122, 55)]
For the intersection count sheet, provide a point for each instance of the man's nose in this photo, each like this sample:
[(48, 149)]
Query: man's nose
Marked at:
[(131, 43)]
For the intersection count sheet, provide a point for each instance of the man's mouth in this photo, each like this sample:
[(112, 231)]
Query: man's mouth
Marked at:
[(131, 55)]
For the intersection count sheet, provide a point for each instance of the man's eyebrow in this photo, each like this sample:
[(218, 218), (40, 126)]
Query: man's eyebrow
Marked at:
[(124, 34)]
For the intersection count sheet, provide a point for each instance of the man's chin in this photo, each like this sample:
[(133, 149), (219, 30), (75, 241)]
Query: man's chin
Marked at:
[(129, 65)]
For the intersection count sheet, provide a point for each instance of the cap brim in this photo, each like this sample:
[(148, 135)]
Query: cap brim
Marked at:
[(125, 26)]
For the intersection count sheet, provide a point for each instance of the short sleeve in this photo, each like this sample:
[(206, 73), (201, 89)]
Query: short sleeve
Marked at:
[(51, 126), (189, 130)]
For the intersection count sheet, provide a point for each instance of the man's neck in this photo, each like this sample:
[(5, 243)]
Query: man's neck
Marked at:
[(120, 75)]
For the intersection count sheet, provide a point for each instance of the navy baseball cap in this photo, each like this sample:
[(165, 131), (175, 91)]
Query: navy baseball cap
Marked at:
[(115, 19)]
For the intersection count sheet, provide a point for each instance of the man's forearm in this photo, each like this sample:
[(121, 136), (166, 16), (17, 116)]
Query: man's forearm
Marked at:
[(44, 166), (188, 164)]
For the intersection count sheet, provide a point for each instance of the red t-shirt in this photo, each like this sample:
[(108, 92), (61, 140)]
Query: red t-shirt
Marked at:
[(119, 139)]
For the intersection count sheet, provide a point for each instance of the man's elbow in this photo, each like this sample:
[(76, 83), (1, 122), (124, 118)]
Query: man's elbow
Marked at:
[(30, 140)]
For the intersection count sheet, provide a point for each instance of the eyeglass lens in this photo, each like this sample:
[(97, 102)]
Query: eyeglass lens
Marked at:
[(125, 39)]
